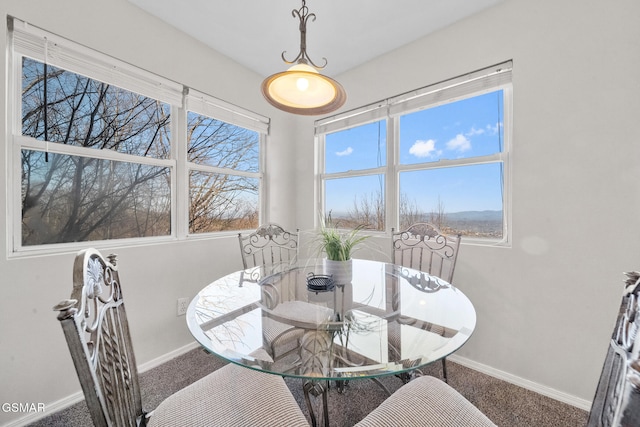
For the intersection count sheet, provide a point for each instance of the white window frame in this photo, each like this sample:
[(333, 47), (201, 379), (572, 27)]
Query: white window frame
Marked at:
[(490, 79), (209, 106), (27, 40)]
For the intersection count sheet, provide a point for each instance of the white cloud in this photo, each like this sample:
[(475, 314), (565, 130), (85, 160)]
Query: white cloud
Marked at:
[(494, 129), (475, 131), (459, 143), (424, 148), (346, 152)]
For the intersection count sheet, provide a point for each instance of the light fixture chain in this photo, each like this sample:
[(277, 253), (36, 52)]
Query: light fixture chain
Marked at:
[(303, 15)]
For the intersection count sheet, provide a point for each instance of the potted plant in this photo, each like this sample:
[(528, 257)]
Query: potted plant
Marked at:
[(338, 246)]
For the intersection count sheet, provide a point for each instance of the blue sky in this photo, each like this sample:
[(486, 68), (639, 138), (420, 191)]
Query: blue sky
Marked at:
[(462, 129)]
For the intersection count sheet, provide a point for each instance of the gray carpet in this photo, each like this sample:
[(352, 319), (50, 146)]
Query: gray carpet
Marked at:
[(505, 404)]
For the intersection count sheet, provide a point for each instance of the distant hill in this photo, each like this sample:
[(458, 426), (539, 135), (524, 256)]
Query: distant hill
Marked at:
[(468, 223), (475, 216), (452, 216), (475, 223)]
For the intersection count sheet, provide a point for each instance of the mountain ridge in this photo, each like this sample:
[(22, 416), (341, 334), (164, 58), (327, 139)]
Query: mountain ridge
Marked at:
[(486, 215)]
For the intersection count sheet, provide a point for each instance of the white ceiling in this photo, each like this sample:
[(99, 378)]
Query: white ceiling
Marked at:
[(347, 32)]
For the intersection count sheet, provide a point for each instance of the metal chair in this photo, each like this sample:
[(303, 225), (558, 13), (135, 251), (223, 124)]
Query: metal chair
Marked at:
[(617, 401), (423, 247), (95, 325), (269, 246), (426, 402), (272, 248)]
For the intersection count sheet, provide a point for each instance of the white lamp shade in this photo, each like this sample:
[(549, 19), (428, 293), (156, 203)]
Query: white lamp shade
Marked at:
[(302, 90)]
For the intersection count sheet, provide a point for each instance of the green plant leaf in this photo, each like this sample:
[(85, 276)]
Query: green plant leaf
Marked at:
[(336, 244)]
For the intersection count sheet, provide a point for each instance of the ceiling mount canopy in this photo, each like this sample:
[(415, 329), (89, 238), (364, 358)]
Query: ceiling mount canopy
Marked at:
[(302, 89)]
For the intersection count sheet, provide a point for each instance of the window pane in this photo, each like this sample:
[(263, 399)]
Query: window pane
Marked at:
[(468, 128), (73, 199), (463, 199), (88, 113), (220, 144), (222, 202), (362, 147), (356, 201)]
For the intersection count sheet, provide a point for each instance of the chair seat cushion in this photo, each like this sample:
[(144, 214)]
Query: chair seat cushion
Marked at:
[(231, 396), (426, 402)]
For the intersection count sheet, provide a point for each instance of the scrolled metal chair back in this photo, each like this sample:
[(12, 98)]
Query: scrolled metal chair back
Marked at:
[(421, 281), (270, 245), (617, 400), (423, 247), (97, 333)]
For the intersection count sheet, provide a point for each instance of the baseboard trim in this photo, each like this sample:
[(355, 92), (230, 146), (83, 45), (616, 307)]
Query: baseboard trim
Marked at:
[(524, 383), (50, 408), (168, 356), (74, 398)]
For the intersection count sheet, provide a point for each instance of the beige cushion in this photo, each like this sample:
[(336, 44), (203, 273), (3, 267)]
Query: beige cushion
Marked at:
[(303, 312), (231, 396), (283, 337), (426, 402)]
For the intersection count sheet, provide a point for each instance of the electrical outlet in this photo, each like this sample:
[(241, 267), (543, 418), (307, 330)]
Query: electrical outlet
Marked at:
[(183, 303)]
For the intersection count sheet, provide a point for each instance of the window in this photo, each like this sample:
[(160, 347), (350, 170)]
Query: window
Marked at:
[(438, 154), (98, 153), (223, 160), (68, 193), (355, 160)]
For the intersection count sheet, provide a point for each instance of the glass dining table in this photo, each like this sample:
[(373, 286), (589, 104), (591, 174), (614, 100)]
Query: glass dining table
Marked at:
[(297, 320)]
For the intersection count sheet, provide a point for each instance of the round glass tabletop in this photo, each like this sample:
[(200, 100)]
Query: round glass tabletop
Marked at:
[(312, 320)]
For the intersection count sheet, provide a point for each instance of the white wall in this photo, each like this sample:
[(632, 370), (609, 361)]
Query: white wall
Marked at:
[(545, 306), (35, 365)]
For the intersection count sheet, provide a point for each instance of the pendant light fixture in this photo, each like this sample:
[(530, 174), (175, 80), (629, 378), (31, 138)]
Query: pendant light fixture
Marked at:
[(302, 89)]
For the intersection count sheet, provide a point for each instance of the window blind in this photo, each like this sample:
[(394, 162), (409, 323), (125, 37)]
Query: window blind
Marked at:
[(474, 83), (360, 116), (43, 46), (207, 105), (485, 80)]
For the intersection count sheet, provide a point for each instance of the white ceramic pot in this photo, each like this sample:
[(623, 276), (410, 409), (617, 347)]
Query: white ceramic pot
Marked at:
[(341, 271)]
